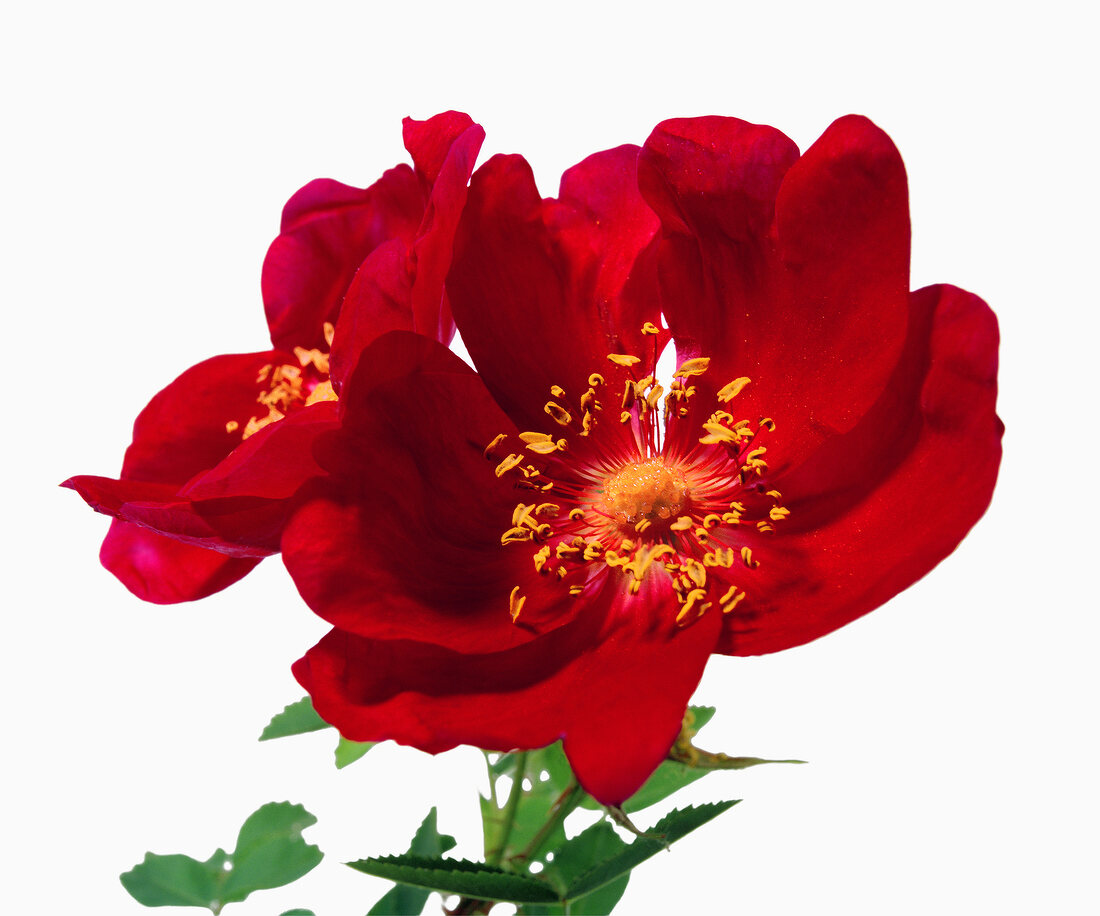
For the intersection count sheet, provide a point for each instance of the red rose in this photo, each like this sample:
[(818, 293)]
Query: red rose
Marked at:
[(216, 455), (829, 438)]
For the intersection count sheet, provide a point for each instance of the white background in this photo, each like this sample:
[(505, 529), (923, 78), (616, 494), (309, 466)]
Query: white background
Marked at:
[(148, 150)]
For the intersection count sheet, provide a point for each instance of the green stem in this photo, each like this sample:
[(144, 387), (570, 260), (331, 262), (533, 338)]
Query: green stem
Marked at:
[(494, 856), (559, 811)]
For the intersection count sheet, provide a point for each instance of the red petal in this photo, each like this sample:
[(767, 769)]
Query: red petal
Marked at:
[(920, 492), (792, 273), (400, 286), (161, 570), (538, 288), (614, 685), (328, 229), (406, 541)]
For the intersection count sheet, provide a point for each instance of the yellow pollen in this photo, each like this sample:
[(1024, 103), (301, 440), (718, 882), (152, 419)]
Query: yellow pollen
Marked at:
[(490, 448), (595, 380), (650, 328), (507, 464), (232, 426), (557, 391), (560, 415), (515, 603), (734, 388), (621, 359), (643, 492), (690, 367), (323, 392)]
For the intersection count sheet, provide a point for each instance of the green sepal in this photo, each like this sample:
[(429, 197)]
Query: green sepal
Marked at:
[(672, 827), (402, 899), (458, 876), (297, 718), (270, 852), (347, 752)]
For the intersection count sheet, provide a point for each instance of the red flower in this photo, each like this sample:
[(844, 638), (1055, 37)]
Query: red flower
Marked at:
[(828, 439), (206, 483)]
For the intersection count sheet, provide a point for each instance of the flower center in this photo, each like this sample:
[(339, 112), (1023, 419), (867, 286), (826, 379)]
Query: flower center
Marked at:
[(659, 484), (645, 490)]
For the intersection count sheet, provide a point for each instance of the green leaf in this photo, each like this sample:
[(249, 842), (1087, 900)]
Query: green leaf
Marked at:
[(530, 815), (571, 860), (270, 853), (669, 829), (403, 900), (296, 719), (347, 752), (175, 880), (270, 850), (298, 913), (458, 876)]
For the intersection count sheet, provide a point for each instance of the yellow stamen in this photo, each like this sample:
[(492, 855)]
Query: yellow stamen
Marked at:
[(560, 415), (728, 392), (515, 603), (650, 328), (507, 464), (691, 367), (622, 359)]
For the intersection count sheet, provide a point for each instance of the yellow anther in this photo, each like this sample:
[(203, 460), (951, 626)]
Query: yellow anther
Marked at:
[(515, 603), (621, 359), (557, 391), (543, 448), (543, 531), (694, 596), (737, 506), (595, 380), (717, 433), (696, 572), (515, 535), (531, 438), (778, 513), (683, 523), (540, 557), (507, 464), (682, 412), (232, 426), (560, 415), (755, 454), (654, 396), (731, 518), (626, 544), (635, 586), (521, 513), (702, 535), (576, 515), (323, 391), (650, 328), (729, 392), (565, 551), (624, 417), (731, 599), (562, 572), (576, 590), (492, 445), (630, 391), (774, 494), (746, 558), (768, 423), (641, 525), (588, 400), (562, 445), (593, 550), (712, 521), (587, 422), (691, 367), (764, 527), (529, 470), (550, 509)]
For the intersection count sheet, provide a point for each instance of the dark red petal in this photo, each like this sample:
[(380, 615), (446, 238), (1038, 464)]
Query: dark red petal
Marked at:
[(182, 431), (162, 570), (328, 229), (613, 683), (537, 287), (444, 149), (925, 494), (274, 462), (405, 542), (400, 285), (158, 507)]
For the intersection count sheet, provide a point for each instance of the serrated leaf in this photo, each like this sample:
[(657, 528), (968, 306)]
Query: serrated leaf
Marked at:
[(402, 899), (672, 827), (575, 857), (297, 718), (270, 853), (458, 876), (347, 752)]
